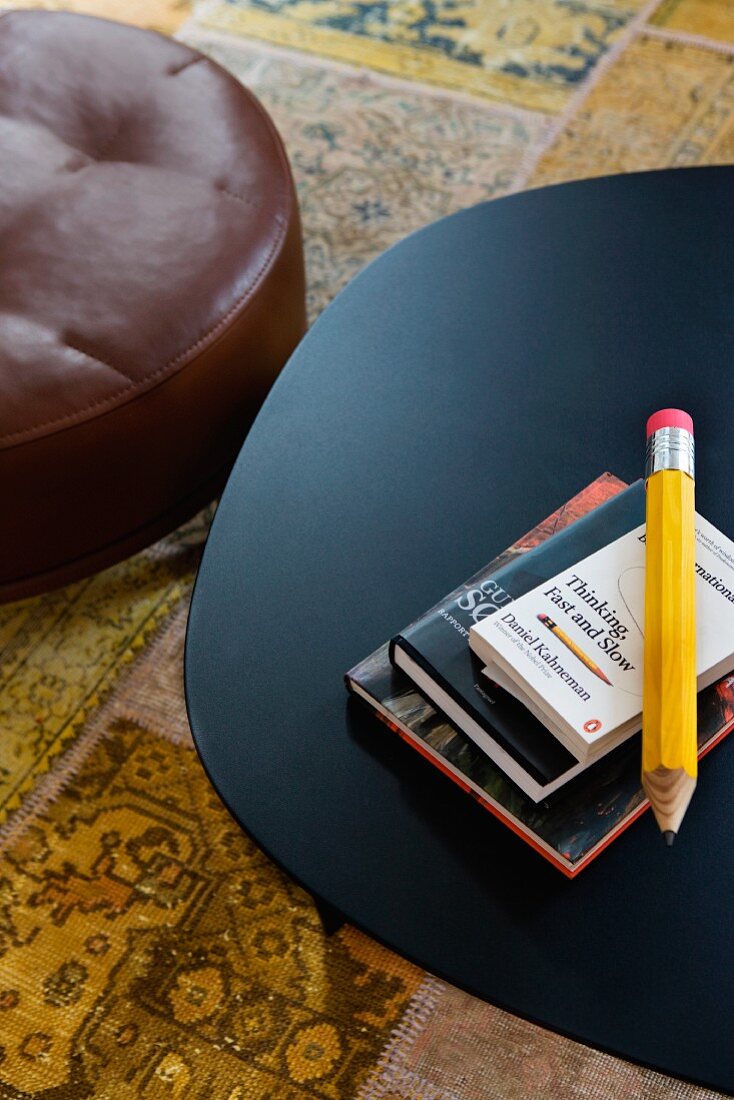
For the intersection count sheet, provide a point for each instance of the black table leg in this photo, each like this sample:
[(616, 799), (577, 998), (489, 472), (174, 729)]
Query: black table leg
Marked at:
[(331, 919)]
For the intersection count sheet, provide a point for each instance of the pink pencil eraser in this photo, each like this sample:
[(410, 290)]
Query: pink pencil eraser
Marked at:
[(669, 418)]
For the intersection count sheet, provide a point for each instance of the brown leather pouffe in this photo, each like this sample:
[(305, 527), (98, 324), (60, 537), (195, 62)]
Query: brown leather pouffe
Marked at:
[(151, 288)]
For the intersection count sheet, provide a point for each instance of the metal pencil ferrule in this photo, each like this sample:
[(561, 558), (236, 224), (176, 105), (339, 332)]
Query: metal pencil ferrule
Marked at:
[(670, 449)]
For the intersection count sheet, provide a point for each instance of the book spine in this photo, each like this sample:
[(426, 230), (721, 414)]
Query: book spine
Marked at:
[(436, 760)]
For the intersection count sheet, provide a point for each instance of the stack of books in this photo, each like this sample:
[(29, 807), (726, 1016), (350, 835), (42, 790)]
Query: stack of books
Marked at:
[(524, 685)]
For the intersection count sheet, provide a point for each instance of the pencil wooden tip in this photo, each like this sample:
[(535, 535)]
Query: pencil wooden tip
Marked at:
[(669, 792), (669, 837)]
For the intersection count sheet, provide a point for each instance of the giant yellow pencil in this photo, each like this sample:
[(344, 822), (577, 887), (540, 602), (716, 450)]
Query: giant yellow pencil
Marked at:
[(669, 762)]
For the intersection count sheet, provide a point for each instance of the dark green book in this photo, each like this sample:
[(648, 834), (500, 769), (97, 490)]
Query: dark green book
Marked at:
[(434, 650)]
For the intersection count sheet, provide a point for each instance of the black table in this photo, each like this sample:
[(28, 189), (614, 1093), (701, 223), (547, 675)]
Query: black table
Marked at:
[(468, 382)]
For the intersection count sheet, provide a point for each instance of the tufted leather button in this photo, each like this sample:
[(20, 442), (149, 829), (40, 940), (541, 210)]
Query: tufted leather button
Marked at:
[(151, 287)]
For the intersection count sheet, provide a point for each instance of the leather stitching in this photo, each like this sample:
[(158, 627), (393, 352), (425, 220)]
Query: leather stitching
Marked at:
[(222, 322), (100, 402), (98, 359), (251, 203), (186, 65), (281, 187), (240, 198)]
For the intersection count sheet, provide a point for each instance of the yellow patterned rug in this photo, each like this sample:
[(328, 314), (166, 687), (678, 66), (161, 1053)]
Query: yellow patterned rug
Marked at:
[(533, 53), (147, 949)]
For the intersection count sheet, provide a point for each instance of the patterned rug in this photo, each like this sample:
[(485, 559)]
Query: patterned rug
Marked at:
[(165, 16), (533, 53), (374, 161), (147, 949)]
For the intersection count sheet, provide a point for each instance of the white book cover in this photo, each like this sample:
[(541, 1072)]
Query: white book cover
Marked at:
[(574, 644)]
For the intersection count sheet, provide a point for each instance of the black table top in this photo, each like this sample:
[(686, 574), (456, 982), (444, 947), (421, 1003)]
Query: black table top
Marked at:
[(468, 382)]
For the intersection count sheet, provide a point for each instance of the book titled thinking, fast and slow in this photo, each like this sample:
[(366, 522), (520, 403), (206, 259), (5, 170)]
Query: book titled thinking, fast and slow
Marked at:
[(571, 648), (565, 801)]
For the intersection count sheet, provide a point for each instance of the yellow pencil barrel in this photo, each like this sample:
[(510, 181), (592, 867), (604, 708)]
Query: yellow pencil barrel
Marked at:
[(669, 680)]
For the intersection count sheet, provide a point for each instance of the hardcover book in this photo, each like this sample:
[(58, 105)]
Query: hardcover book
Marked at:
[(435, 653), (591, 810), (571, 648)]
